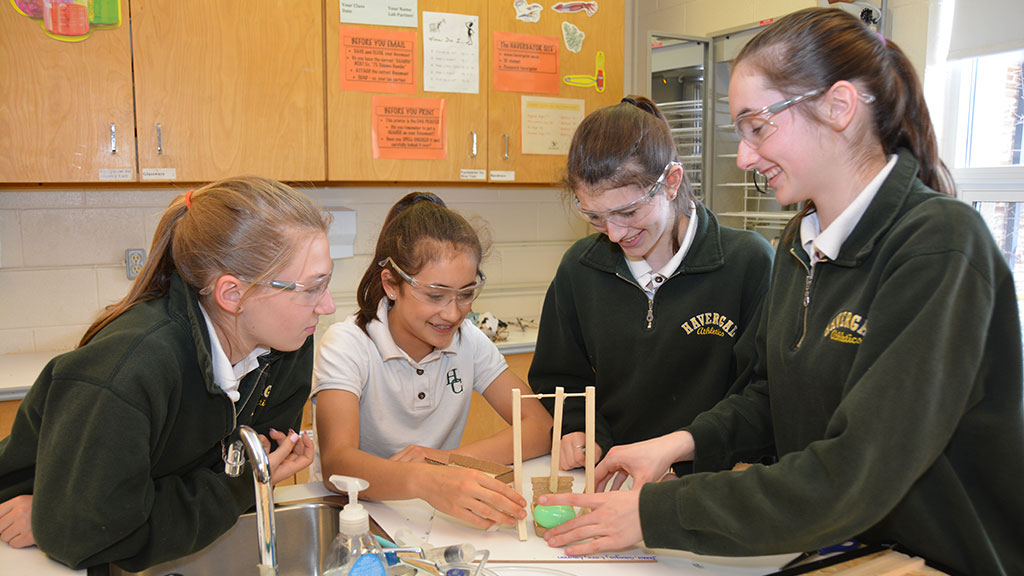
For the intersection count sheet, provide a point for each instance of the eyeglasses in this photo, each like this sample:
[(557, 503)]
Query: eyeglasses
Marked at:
[(304, 294), (435, 295), (755, 127), (628, 214)]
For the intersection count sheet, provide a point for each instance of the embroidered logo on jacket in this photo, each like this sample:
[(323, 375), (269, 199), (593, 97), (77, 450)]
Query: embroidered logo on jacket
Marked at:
[(454, 380), (710, 323), (847, 328)]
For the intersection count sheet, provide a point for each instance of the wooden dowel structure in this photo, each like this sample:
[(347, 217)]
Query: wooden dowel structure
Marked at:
[(589, 396), (556, 439), (517, 454), (591, 424)]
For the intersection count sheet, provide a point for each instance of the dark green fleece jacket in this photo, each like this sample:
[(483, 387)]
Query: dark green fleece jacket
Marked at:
[(655, 363), (120, 441), (893, 392)]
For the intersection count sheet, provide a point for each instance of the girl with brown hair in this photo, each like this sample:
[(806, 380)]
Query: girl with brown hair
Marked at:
[(656, 309), (393, 383), (891, 378)]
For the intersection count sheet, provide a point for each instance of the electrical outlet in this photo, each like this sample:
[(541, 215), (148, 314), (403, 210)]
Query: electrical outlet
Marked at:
[(134, 260)]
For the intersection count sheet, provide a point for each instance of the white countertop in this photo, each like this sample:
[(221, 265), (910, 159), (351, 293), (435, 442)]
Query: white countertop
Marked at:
[(19, 371), (519, 341), (529, 558)]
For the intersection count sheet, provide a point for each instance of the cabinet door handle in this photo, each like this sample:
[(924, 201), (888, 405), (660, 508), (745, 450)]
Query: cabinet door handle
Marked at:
[(472, 152), (505, 136), (159, 139), (113, 138)]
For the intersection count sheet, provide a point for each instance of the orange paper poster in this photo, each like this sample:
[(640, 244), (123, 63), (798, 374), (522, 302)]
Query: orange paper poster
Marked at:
[(409, 128), (526, 63), (375, 60)]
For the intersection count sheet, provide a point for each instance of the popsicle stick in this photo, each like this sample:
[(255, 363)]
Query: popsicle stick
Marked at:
[(517, 454), (890, 563), (591, 400), (556, 438)]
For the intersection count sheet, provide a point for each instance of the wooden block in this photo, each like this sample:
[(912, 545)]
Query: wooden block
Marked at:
[(542, 485), (499, 472)]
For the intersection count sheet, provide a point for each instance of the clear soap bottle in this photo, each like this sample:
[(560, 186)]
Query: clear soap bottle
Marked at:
[(354, 550)]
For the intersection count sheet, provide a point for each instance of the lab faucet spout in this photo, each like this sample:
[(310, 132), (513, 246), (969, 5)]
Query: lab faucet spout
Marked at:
[(264, 500)]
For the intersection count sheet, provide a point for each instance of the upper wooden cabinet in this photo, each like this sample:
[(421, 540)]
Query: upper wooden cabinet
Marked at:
[(65, 107), (229, 87), (604, 33), (490, 119), (350, 114), (212, 89)]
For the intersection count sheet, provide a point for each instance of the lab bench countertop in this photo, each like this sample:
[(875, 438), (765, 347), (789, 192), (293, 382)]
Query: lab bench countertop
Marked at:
[(19, 371)]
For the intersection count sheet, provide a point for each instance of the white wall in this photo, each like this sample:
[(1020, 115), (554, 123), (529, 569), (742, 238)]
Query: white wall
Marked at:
[(62, 251)]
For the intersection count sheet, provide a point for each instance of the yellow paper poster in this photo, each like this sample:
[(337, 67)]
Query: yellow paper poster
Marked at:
[(375, 60), (409, 128), (549, 123)]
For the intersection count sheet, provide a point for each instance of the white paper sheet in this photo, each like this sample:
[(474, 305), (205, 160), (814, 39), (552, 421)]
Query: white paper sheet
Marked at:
[(380, 12), (451, 53)]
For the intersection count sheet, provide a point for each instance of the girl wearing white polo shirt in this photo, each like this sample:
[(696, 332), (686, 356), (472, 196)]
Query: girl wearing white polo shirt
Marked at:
[(393, 383)]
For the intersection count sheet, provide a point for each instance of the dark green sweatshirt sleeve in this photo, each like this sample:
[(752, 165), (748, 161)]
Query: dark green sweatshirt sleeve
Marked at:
[(101, 489), (916, 378), (121, 507)]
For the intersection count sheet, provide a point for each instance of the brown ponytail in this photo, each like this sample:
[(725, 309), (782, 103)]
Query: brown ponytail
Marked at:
[(247, 226)]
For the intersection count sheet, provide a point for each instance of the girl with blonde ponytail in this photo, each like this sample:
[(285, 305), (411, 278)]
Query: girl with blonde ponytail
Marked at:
[(117, 452)]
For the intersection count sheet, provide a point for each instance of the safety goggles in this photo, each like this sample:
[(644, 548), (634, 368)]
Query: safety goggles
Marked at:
[(626, 215), (435, 295)]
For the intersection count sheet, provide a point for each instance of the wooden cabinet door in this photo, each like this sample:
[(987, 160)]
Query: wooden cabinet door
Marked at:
[(229, 87), (604, 32), (59, 100), (350, 114)]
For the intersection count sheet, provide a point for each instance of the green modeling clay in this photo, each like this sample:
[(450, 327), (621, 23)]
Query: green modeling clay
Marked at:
[(551, 516)]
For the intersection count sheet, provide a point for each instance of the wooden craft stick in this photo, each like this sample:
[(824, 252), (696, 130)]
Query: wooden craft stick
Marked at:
[(517, 454), (556, 438), (591, 400), (890, 563)]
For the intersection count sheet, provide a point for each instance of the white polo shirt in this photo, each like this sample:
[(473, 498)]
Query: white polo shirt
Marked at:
[(402, 402)]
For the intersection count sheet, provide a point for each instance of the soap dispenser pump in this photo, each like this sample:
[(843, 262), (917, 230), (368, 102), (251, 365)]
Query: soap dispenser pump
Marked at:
[(354, 550)]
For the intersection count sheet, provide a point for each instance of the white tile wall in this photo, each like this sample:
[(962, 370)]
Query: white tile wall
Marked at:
[(62, 251)]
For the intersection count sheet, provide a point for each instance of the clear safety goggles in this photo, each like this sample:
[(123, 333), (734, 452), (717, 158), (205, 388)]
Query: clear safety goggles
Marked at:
[(435, 295), (756, 126), (626, 215), (302, 293)]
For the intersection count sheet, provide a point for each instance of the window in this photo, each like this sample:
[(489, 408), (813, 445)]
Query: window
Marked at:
[(990, 111), (977, 105)]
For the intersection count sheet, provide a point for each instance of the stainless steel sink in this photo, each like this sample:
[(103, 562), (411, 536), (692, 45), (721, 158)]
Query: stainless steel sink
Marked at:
[(304, 533)]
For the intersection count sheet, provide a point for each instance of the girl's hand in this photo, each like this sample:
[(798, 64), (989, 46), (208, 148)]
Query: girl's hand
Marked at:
[(414, 453), (294, 453), (646, 461), (16, 522), (472, 496), (613, 523), (571, 454)]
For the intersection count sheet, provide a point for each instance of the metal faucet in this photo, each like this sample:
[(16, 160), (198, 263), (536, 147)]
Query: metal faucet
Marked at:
[(264, 493)]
